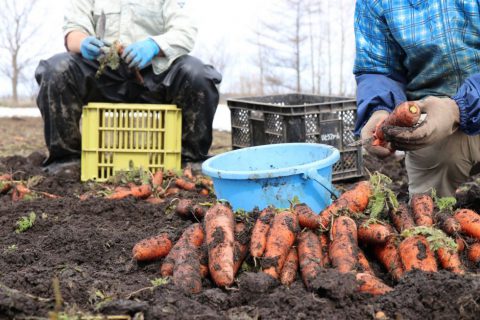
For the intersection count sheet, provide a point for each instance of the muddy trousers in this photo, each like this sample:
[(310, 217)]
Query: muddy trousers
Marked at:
[(68, 82), (444, 165)]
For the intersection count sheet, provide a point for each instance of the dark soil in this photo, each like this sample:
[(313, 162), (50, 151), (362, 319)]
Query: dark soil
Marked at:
[(87, 246)]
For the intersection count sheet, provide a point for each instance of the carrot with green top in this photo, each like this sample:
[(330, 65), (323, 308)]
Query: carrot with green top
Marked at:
[(415, 253)]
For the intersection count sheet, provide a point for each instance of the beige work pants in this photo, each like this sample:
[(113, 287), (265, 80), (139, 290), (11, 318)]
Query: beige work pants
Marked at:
[(442, 166)]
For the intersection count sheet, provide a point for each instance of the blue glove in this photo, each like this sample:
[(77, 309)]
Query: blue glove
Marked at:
[(90, 48), (140, 53)]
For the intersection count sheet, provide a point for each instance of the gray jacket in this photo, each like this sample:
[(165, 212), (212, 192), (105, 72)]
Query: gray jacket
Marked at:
[(168, 22)]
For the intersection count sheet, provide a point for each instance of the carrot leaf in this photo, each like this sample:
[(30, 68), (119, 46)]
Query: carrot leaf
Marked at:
[(445, 204), (382, 198), (436, 238)]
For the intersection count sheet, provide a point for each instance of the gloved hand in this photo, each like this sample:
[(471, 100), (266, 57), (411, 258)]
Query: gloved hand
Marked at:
[(443, 118), (90, 48), (140, 53), (368, 131)]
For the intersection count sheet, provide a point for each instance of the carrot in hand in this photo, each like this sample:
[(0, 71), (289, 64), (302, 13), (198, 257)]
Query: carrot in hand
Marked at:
[(290, 268), (402, 218), (469, 222), (219, 228), (371, 284), (415, 253), (306, 217), (374, 233), (355, 200), (389, 257), (309, 257), (279, 241), (258, 240), (152, 248), (422, 209), (343, 247)]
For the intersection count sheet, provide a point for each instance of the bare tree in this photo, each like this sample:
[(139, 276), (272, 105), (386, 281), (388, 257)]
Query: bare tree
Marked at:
[(16, 30)]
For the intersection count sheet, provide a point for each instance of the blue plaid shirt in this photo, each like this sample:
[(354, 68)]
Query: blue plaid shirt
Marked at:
[(410, 49)]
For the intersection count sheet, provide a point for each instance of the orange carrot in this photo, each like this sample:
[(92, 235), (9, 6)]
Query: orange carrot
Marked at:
[(447, 223), (141, 192), (219, 228), (460, 244), (118, 195), (184, 184), (19, 192), (193, 235), (280, 239), (374, 233), (469, 222), (290, 267), (240, 246), (422, 209), (371, 284), (474, 254), (355, 200), (187, 172), (450, 260), (204, 182), (309, 257), (325, 242), (402, 218), (343, 248), (186, 271), (204, 192), (152, 248), (306, 217), (155, 200), (184, 208), (258, 240), (415, 253), (405, 114), (171, 191), (5, 183), (363, 264), (389, 257), (157, 179)]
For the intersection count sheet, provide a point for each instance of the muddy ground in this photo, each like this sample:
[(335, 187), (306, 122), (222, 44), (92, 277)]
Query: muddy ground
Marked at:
[(86, 245)]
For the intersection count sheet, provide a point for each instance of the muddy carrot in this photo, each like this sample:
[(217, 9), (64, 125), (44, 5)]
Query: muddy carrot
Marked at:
[(171, 191), (19, 192), (389, 257), (157, 179), (447, 223), (355, 200), (460, 243), (402, 218), (204, 260), (371, 284), (152, 248), (155, 200), (290, 268), (422, 209), (415, 253), (280, 239), (118, 195), (363, 264), (186, 271), (184, 184), (450, 260), (309, 257), (405, 114), (474, 254), (258, 240), (240, 246), (343, 247), (219, 228), (141, 192), (325, 242), (184, 208), (194, 235), (306, 217), (206, 183), (187, 173), (374, 233), (5, 183), (469, 222), (204, 192)]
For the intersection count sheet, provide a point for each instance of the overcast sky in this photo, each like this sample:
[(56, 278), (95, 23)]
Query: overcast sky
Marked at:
[(229, 21)]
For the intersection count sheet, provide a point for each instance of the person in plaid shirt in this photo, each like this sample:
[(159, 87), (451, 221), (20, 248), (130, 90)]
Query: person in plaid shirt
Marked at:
[(425, 51)]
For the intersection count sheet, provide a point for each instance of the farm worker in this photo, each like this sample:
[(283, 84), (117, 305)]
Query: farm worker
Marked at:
[(425, 51), (157, 36)]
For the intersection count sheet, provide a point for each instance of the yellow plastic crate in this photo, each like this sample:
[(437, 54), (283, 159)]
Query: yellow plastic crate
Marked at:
[(116, 135)]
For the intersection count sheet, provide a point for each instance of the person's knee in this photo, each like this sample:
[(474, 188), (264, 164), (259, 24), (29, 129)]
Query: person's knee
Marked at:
[(197, 72), (54, 68)]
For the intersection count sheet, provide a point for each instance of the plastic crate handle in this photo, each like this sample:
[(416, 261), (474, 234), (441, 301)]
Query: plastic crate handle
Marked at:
[(313, 174)]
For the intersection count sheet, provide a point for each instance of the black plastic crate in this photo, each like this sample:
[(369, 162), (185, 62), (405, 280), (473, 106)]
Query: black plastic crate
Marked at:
[(299, 118)]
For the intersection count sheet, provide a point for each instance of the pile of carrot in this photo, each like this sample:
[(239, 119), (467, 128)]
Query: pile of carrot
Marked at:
[(297, 242)]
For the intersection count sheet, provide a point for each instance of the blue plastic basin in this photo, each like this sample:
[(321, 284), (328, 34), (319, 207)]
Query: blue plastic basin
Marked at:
[(273, 175)]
